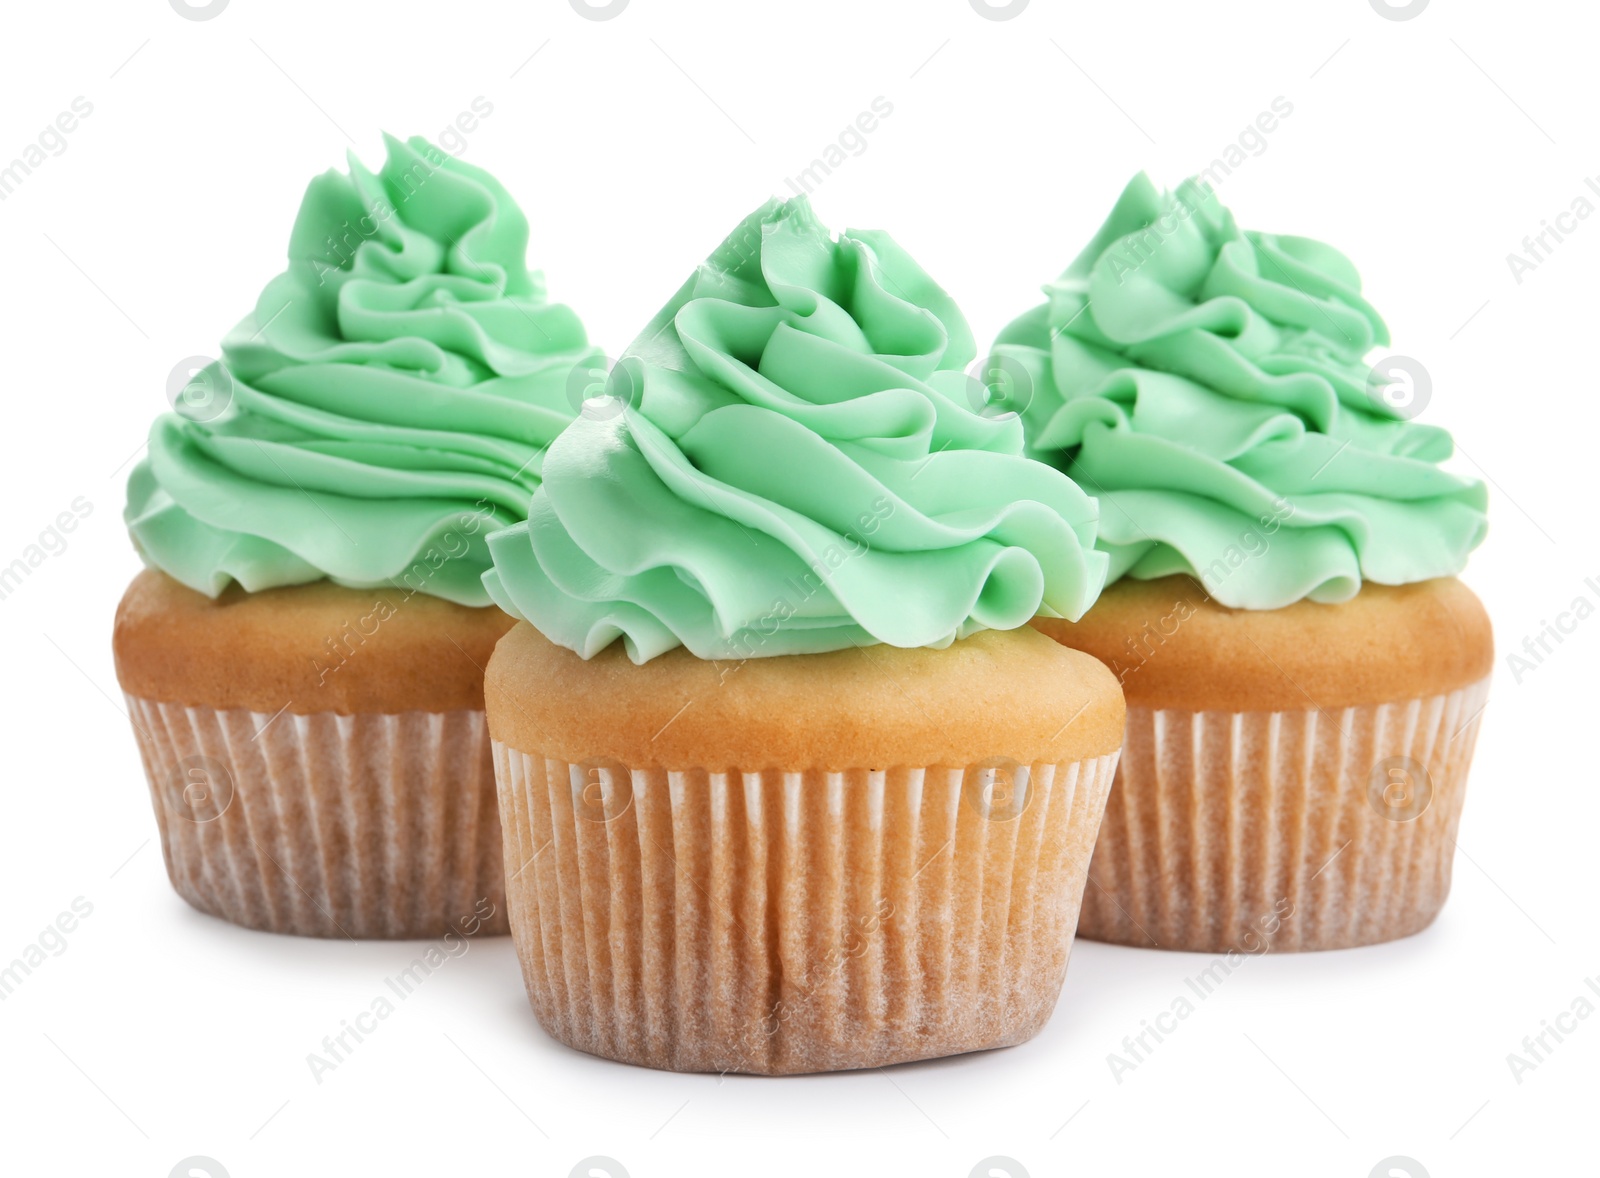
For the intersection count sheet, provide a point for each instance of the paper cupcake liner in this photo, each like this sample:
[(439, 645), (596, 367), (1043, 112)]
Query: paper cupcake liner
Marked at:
[(794, 922), (327, 825), (1282, 830)]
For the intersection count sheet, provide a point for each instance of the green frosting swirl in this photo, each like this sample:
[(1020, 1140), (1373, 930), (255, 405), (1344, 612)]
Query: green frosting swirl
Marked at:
[(791, 463), (1211, 386), (386, 405)]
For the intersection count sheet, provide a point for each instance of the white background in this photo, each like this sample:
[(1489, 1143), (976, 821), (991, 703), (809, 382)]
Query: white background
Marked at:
[(1425, 148)]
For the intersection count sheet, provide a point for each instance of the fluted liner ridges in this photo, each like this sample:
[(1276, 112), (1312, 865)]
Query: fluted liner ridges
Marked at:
[(379, 825), (792, 922), (1220, 821)]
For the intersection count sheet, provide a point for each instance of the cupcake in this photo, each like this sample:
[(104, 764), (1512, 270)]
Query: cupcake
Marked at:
[(787, 783), (1304, 674), (303, 655)]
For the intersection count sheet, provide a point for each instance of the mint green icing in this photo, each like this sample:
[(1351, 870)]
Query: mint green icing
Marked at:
[(795, 465), (1212, 387), (385, 406)]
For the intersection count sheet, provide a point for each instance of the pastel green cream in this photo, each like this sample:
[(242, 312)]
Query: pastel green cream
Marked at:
[(1213, 388), (793, 461), (385, 406)]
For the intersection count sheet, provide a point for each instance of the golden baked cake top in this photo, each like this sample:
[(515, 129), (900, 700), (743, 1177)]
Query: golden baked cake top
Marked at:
[(304, 648), (1007, 694), (1172, 645)]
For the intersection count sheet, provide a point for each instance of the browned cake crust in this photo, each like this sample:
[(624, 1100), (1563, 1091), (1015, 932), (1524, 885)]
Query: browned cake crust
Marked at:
[(1172, 646), (996, 694), (311, 648)]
